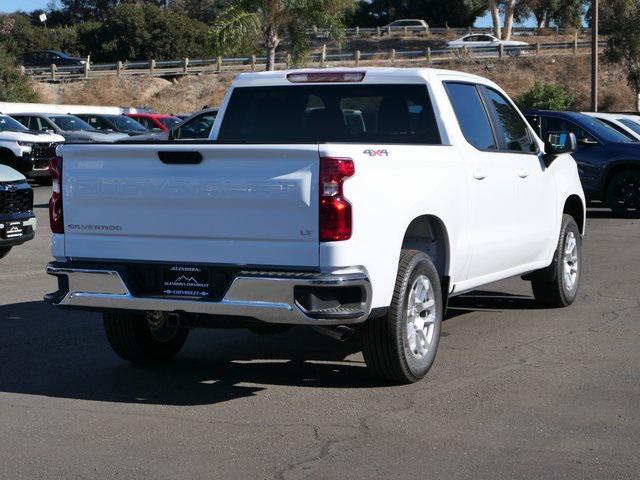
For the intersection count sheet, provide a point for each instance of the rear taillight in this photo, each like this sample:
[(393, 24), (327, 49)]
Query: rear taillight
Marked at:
[(55, 203), (335, 210)]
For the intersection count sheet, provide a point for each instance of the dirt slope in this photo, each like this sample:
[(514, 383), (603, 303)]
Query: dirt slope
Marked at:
[(191, 93)]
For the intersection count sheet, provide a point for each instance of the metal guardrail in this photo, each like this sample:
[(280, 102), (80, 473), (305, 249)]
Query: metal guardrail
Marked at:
[(187, 66)]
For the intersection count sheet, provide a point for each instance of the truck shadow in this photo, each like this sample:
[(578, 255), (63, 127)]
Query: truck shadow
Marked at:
[(63, 354)]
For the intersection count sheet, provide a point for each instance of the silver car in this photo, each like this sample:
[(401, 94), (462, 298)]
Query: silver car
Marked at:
[(72, 128)]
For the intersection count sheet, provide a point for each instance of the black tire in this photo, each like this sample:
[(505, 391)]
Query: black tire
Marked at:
[(132, 338), (4, 251), (386, 340), (623, 193), (550, 288)]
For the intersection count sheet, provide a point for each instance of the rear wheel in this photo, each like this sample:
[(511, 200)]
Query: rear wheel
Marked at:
[(623, 194), (143, 338), (402, 346), (4, 251), (557, 285)]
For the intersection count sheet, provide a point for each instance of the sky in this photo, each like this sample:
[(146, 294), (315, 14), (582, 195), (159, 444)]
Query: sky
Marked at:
[(29, 5)]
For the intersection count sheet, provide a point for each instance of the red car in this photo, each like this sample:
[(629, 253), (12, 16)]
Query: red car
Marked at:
[(155, 120)]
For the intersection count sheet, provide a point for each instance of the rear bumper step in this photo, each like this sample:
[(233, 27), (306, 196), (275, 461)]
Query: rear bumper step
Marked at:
[(265, 296)]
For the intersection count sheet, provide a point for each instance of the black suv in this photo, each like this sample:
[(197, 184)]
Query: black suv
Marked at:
[(16, 214), (48, 57)]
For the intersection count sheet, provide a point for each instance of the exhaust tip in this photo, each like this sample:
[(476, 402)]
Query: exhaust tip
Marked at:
[(341, 333)]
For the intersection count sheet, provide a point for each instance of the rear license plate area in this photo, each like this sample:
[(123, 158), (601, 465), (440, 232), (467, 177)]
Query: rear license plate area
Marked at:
[(12, 230), (186, 281)]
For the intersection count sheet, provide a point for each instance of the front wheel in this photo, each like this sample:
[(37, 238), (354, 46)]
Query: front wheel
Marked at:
[(4, 251), (623, 194), (557, 285), (402, 345), (143, 338)]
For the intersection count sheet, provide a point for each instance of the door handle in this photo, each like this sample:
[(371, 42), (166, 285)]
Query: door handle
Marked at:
[(479, 174), (180, 158), (523, 173)]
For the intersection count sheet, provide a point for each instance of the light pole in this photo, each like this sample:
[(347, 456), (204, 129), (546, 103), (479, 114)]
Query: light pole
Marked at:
[(594, 56)]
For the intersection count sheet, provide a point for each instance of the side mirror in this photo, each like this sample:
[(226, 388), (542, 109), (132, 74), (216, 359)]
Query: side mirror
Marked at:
[(174, 133), (558, 143)]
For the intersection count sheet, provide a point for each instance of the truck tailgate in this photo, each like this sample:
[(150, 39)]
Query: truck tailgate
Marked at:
[(242, 205)]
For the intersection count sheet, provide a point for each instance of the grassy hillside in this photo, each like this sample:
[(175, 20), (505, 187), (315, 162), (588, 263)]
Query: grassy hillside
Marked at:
[(188, 94)]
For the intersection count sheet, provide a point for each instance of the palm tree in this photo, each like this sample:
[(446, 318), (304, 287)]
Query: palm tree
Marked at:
[(275, 18)]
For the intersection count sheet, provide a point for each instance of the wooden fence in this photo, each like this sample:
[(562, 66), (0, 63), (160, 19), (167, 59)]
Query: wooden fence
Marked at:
[(188, 66)]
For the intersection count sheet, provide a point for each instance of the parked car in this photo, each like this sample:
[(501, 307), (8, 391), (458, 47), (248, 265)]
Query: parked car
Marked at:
[(295, 216), (484, 40), (412, 24), (17, 221), (71, 127), (197, 126), (27, 151), (629, 127), (114, 123), (153, 121), (608, 161), (46, 58)]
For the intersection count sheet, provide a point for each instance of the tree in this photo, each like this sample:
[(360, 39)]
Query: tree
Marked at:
[(569, 13), (274, 18), (147, 32), (543, 11), (510, 11), (437, 13), (620, 20), (82, 10), (546, 96), (495, 17)]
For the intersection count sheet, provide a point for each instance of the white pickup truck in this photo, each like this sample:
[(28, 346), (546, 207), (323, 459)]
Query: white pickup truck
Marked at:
[(349, 200)]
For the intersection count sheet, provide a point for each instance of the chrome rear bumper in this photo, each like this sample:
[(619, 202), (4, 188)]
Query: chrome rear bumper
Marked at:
[(264, 296)]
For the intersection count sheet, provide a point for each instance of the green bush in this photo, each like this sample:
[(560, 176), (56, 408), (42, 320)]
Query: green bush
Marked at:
[(14, 87), (25, 37), (545, 96)]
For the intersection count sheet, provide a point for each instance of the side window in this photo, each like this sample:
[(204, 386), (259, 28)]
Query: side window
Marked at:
[(23, 120), (39, 124), (97, 123), (554, 124), (471, 115), (198, 127), (513, 132)]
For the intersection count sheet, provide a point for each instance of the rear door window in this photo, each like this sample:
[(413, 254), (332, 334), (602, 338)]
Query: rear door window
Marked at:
[(331, 113), (472, 115), (513, 132)]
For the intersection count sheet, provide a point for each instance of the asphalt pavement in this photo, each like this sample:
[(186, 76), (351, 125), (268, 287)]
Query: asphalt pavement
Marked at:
[(515, 392)]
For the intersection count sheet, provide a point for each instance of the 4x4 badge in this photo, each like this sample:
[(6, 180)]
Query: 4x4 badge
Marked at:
[(376, 153)]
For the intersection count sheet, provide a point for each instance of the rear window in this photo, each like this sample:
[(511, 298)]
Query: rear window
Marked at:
[(330, 113), (631, 124)]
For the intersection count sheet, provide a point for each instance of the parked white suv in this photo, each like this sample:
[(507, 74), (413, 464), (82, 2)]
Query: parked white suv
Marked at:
[(25, 150), (343, 199)]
